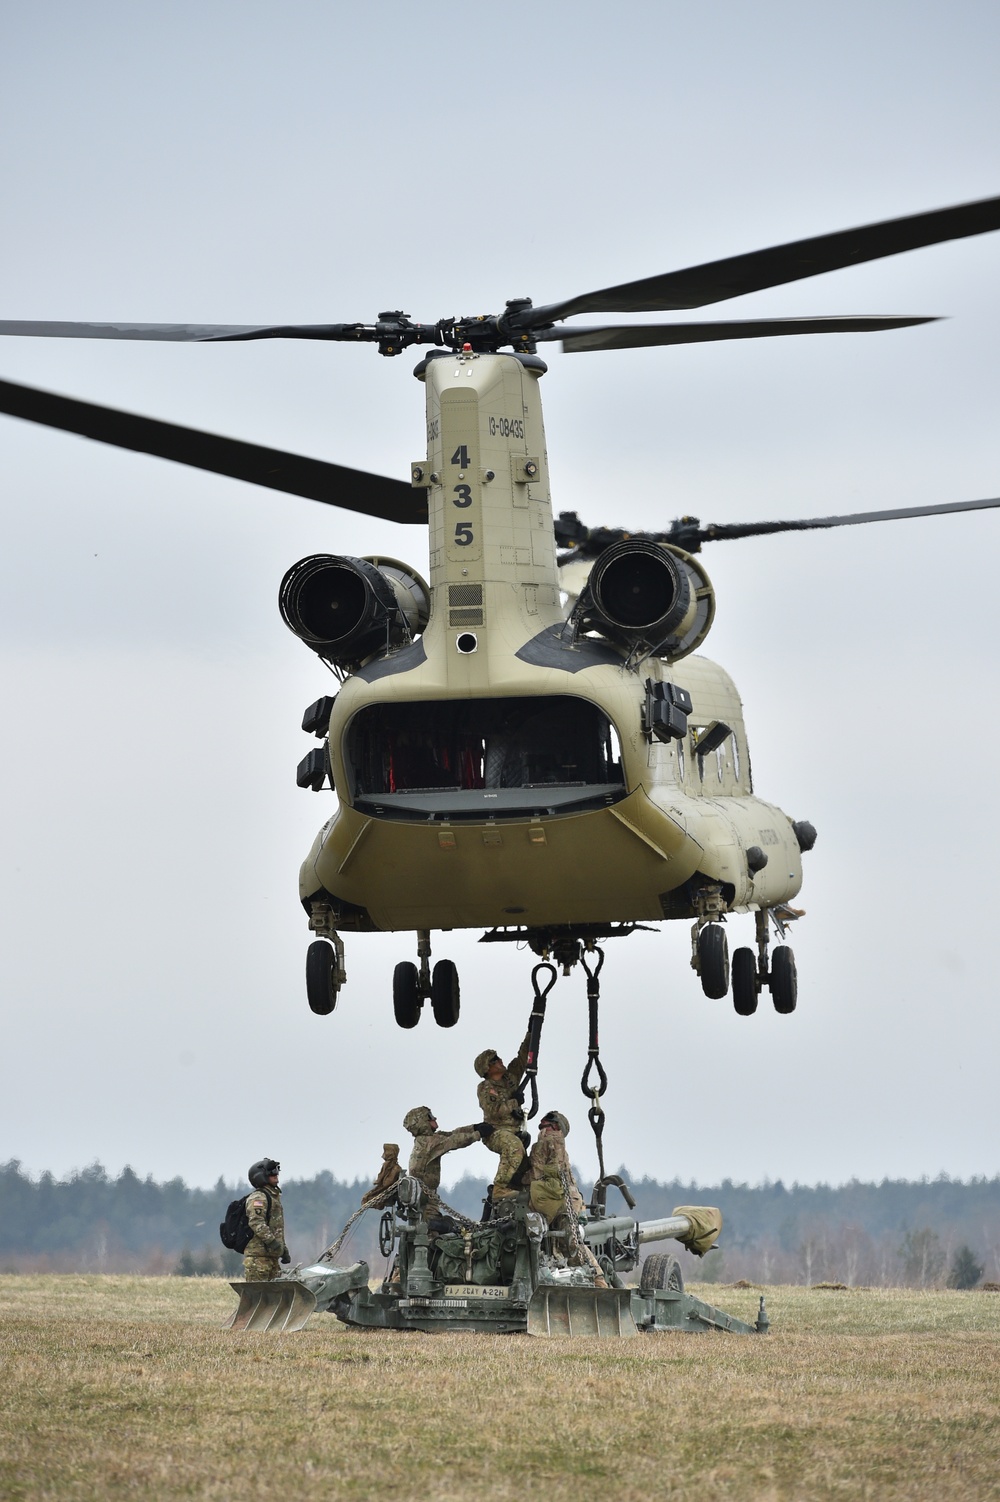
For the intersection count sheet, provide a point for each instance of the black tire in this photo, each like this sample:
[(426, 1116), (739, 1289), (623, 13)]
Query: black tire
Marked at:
[(406, 994), (745, 990), (445, 1000), (321, 971), (784, 981), (661, 1271), (713, 957)]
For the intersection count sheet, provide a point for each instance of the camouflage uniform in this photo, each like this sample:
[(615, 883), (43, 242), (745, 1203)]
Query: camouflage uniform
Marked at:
[(266, 1247), (387, 1174), (499, 1103), (551, 1180), (429, 1147)]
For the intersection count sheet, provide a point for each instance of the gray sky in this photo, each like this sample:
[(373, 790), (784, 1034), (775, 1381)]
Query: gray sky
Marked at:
[(252, 163)]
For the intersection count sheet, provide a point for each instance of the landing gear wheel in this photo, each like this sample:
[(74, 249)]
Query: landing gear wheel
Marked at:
[(445, 993), (784, 981), (406, 994), (745, 982), (713, 958), (661, 1271), (321, 977)]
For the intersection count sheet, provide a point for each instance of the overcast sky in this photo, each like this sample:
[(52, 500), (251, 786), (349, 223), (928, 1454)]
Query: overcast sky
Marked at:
[(246, 162)]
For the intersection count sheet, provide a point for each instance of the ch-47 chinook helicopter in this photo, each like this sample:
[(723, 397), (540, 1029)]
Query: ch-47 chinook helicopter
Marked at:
[(537, 756)]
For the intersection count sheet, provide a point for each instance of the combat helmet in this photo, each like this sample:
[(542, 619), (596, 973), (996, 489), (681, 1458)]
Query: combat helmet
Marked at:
[(258, 1173), (418, 1121), (559, 1119), (484, 1060)]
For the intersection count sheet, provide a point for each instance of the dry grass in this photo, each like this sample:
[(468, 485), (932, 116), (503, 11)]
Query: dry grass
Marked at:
[(121, 1387)]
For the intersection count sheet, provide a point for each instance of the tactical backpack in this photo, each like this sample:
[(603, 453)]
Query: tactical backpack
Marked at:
[(235, 1231)]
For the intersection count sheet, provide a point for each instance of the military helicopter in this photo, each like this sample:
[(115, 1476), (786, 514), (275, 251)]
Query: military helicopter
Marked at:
[(525, 742)]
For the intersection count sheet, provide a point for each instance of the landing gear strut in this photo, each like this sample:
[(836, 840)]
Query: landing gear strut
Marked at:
[(412, 986), (709, 945), (751, 973)]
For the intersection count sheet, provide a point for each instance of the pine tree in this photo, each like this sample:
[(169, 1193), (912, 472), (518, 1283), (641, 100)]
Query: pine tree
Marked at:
[(965, 1271)]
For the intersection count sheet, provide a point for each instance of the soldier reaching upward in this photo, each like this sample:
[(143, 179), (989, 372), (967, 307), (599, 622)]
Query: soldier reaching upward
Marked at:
[(266, 1247), (500, 1104), (430, 1146)]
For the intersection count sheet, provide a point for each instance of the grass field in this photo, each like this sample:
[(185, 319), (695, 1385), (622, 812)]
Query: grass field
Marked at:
[(128, 1387)]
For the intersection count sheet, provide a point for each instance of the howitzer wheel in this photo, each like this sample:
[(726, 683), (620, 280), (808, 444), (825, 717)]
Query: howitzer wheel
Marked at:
[(445, 993), (745, 988), (386, 1234), (406, 994), (784, 981), (661, 1271), (321, 977), (713, 960)]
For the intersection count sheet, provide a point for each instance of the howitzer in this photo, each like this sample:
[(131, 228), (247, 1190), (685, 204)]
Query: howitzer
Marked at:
[(515, 1275), (616, 1239)]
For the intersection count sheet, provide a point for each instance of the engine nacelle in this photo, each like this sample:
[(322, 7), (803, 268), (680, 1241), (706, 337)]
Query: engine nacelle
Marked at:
[(347, 609), (649, 595)]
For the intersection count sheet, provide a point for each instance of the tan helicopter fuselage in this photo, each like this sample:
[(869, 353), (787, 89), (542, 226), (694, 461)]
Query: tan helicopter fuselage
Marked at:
[(497, 773)]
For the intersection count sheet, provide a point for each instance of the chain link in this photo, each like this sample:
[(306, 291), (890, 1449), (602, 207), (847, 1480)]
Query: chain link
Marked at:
[(379, 1202)]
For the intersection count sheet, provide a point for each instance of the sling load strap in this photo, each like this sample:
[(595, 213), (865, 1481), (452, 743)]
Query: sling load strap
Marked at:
[(535, 1032), (594, 1089), (594, 1047)]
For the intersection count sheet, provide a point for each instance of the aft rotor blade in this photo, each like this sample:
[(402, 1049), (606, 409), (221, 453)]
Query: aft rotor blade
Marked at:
[(727, 530), (314, 479), (188, 333), (696, 286), (639, 336)]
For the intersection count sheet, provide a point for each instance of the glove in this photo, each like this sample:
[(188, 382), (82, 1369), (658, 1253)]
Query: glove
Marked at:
[(524, 1138), (485, 1130), (286, 1255)]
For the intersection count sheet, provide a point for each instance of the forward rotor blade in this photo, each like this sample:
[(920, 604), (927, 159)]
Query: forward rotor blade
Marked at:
[(315, 479), (188, 333), (725, 531), (640, 336), (696, 286)]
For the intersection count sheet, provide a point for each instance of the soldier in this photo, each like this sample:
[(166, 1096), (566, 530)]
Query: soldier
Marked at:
[(552, 1185), (387, 1174), (501, 1107), (266, 1248), (430, 1146)]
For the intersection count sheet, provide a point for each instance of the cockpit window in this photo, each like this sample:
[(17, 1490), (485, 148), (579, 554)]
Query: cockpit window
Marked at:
[(483, 757)]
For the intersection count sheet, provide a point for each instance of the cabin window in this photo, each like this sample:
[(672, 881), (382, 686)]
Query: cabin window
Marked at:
[(479, 758)]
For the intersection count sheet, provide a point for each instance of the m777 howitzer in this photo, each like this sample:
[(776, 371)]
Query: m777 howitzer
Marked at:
[(507, 1276)]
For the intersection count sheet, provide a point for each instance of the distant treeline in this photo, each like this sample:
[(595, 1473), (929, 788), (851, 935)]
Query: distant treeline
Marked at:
[(889, 1233)]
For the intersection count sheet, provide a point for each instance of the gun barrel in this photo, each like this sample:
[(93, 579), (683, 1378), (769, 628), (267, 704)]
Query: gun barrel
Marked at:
[(643, 1230)]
